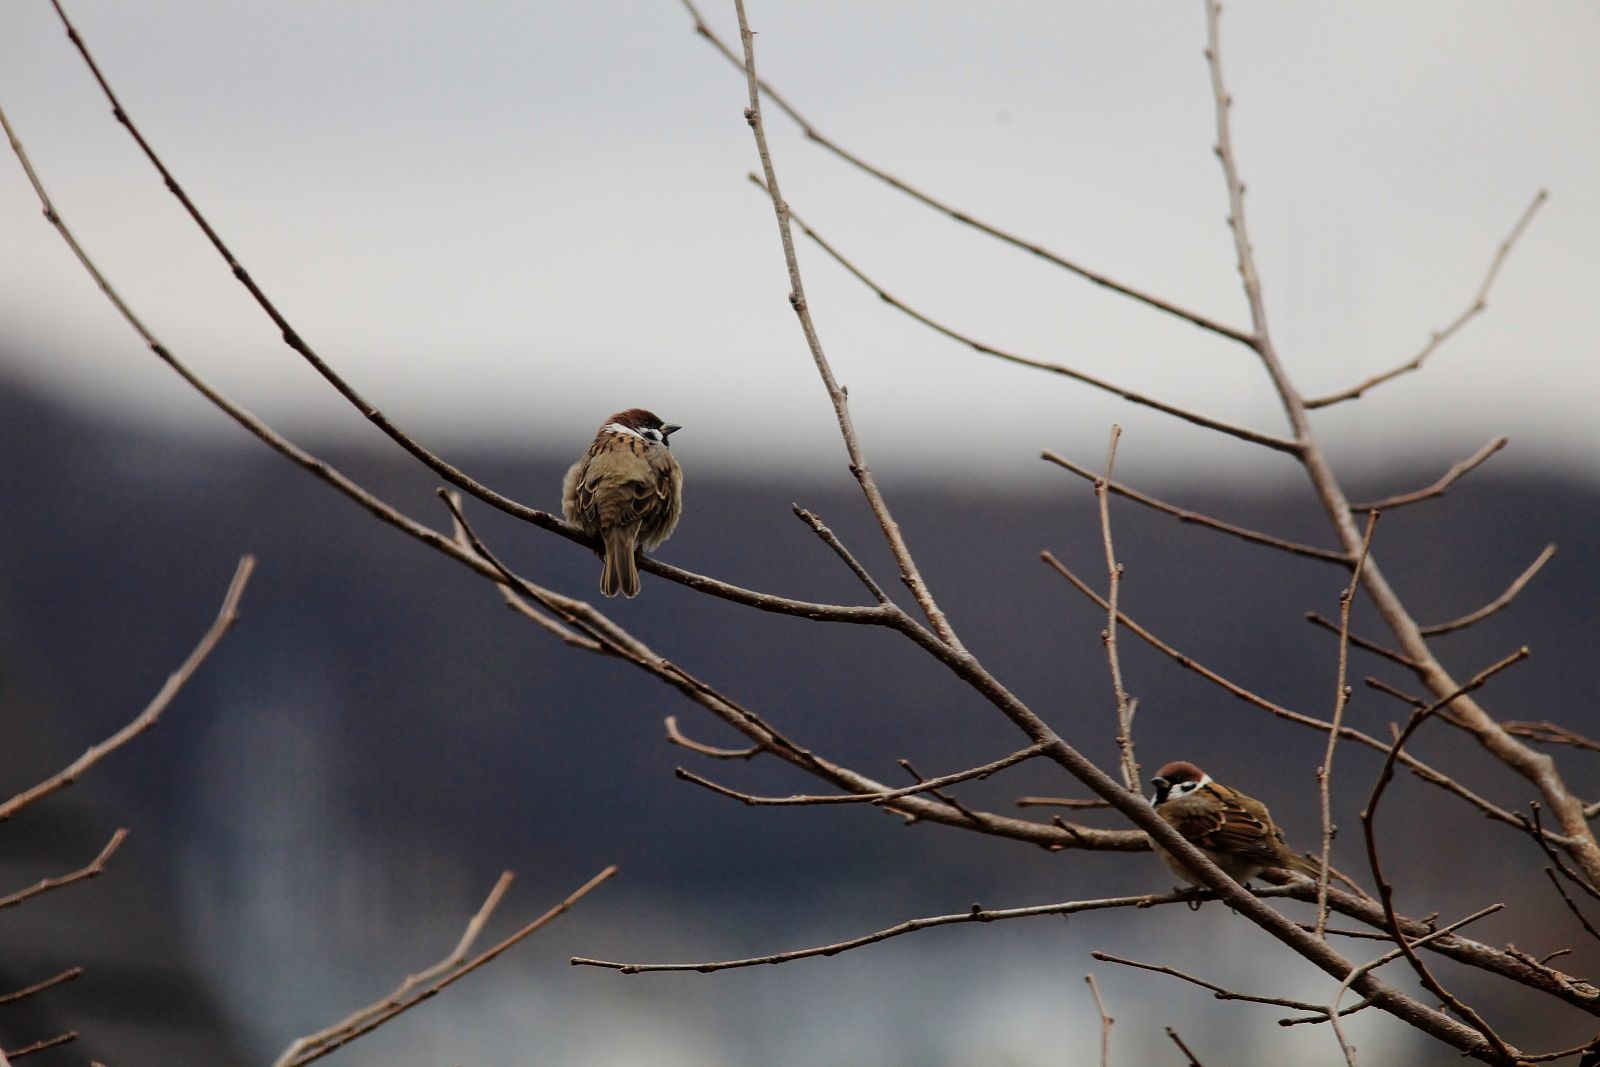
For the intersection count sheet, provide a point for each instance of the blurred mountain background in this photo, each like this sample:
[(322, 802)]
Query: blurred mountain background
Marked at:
[(327, 802)]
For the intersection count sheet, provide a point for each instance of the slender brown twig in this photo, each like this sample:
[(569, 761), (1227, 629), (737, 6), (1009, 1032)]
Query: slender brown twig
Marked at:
[(1200, 519), (1125, 707), (446, 977), (1106, 1021), (1398, 658), (40, 1046), (1220, 992), (1480, 301), (676, 736), (886, 796), (836, 394), (1332, 1012), (1193, 1060), (1349, 733), (1440, 487), (39, 987), (1551, 734), (1497, 603), (227, 615), (1341, 698), (1243, 433), (93, 868), (457, 956), (813, 134), (976, 914), (1369, 817)]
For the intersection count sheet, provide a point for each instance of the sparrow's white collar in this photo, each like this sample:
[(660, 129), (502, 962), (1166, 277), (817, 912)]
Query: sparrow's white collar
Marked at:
[(617, 427)]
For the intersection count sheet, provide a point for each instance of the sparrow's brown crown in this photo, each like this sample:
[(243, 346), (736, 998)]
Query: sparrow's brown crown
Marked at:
[(640, 421), (1178, 772)]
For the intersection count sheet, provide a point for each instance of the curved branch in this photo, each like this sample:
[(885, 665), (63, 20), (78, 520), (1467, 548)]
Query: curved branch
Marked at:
[(1440, 487), (1480, 301), (1199, 519), (1497, 603), (812, 134)]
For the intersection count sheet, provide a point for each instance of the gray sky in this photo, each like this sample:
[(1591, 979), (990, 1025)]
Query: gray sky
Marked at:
[(507, 220)]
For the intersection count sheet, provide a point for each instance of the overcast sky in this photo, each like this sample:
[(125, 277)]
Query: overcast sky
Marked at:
[(506, 220)]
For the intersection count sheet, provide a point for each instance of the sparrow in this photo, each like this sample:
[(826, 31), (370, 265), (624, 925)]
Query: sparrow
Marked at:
[(627, 490), (1235, 832)]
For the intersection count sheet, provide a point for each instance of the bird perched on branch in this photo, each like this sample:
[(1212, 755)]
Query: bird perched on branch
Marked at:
[(627, 490), (1235, 832)]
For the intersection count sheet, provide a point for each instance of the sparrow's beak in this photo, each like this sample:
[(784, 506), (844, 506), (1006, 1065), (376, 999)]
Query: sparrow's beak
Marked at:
[(669, 429), (1160, 783)]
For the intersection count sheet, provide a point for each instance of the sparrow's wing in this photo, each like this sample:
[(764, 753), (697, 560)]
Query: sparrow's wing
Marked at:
[(620, 486), (1235, 825)]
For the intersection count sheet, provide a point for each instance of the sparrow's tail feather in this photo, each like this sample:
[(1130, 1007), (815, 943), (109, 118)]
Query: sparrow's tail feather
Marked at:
[(1305, 865), (621, 573)]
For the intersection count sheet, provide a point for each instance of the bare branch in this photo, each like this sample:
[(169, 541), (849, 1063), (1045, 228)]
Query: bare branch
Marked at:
[(448, 977), (836, 393), (40, 1046), (1340, 699), (1549, 733), (227, 615), (811, 132), (1480, 301), (1497, 603), (1220, 992), (1105, 1021), (1199, 519), (831, 539), (1255, 437), (1059, 802), (1362, 643), (676, 737), (1124, 706), (39, 987), (1416, 766), (456, 957), (1440, 487), (95, 867), (1193, 1060), (1386, 891), (1572, 905), (883, 797), (977, 914)]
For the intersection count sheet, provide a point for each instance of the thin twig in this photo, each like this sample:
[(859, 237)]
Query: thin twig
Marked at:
[(976, 914), (39, 987), (1220, 992), (676, 736), (1386, 891), (1194, 1061), (813, 134), (831, 539), (1497, 603), (456, 957), (1059, 802), (94, 867), (1398, 658), (1572, 905), (1340, 699), (1439, 487), (40, 1046), (1332, 1012), (450, 977), (1480, 301), (1106, 1020), (1201, 519), (886, 796), (1124, 706), (1349, 733), (836, 393), (1277, 444), (1551, 734), (227, 615)]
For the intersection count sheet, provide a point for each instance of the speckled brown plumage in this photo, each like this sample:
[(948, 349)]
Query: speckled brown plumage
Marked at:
[(627, 490)]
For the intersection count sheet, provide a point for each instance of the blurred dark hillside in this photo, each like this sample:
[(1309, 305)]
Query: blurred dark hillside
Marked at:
[(379, 737)]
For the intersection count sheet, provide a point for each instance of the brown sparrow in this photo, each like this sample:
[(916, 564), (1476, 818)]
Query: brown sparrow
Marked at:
[(1235, 832), (627, 490)]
